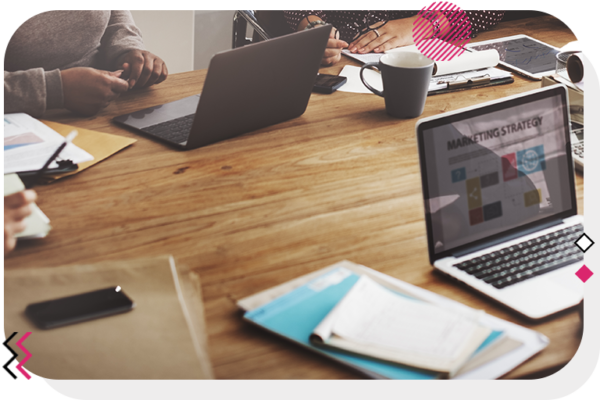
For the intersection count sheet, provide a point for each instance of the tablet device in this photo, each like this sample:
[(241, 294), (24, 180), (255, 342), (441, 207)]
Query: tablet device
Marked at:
[(522, 54)]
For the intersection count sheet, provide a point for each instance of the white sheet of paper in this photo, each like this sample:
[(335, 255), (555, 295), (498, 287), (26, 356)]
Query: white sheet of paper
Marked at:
[(355, 85), (28, 144), (363, 58), (373, 315), (533, 342)]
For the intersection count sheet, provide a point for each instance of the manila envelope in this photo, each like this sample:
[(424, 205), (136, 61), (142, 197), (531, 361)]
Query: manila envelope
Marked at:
[(162, 337)]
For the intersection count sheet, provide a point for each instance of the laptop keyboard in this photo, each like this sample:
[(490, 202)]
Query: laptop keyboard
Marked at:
[(522, 261), (176, 130), (578, 149)]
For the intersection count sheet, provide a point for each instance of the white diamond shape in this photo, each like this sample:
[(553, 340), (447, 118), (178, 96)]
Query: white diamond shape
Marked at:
[(584, 243)]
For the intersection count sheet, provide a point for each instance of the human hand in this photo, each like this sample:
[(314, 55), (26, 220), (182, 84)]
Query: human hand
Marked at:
[(142, 68), (87, 90), (16, 208), (333, 52), (394, 33)]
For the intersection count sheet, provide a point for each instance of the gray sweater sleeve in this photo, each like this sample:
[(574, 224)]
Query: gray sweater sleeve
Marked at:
[(35, 90), (121, 35), (32, 91)]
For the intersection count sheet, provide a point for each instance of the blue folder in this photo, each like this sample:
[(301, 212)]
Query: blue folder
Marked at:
[(296, 314)]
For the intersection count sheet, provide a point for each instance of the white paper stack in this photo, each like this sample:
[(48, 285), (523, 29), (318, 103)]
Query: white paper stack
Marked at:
[(28, 144), (373, 321)]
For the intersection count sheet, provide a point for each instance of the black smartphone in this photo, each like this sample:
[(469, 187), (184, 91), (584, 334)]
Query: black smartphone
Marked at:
[(81, 307), (328, 83)]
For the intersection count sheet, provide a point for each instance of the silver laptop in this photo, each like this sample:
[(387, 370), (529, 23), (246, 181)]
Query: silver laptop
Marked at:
[(245, 89), (500, 204), (577, 144)]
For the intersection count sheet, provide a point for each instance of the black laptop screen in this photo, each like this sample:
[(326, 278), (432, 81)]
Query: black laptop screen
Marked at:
[(493, 170)]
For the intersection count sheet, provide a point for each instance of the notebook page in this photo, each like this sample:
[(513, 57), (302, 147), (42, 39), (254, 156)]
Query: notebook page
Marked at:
[(373, 315)]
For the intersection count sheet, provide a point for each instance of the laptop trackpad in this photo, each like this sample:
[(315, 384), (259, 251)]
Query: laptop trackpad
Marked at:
[(568, 280), (162, 113)]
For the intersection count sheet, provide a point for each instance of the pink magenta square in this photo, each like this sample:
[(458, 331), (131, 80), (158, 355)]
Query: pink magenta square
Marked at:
[(584, 273)]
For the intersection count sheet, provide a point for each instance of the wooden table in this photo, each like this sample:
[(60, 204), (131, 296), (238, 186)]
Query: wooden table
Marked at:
[(340, 182)]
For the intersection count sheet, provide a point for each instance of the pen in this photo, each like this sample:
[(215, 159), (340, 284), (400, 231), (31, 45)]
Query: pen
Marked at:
[(68, 140)]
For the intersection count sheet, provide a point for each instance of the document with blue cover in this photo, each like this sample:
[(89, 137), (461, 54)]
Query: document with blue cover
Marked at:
[(458, 342), (374, 321)]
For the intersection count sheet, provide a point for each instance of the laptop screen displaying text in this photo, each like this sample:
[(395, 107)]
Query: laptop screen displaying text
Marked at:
[(491, 171)]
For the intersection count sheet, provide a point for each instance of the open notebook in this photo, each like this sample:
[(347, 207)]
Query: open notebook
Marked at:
[(376, 322), (295, 310)]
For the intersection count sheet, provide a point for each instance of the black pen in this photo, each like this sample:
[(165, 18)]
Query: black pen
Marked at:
[(53, 157)]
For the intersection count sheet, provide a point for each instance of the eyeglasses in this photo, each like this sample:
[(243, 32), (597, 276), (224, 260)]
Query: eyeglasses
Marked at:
[(369, 23)]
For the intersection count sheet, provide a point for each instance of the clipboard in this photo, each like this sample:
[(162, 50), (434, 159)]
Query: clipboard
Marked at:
[(466, 84)]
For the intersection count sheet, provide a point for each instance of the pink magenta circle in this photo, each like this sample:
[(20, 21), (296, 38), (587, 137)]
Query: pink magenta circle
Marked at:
[(451, 31)]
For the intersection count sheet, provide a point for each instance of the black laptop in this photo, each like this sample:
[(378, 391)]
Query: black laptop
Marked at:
[(245, 89)]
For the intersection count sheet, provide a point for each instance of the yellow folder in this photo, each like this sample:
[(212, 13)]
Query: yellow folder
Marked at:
[(100, 145)]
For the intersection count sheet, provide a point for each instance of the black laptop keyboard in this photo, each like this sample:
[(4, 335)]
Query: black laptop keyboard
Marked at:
[(522, 261), (176, 130)]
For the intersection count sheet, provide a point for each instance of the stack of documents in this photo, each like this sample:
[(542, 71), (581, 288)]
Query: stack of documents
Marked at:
[(28, 144), (386, 328), (376, 322), (38, 224)]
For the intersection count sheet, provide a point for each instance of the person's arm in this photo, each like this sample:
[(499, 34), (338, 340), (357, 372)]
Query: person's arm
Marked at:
[(399, 32), (16, 209), (395, 33), (86, 90), (484, 20), (123, 47), (121, 36), (296, 18), (299, 20), (32, 91)]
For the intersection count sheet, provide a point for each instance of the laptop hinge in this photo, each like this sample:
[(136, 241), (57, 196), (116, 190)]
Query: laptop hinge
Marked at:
[(506, 238)]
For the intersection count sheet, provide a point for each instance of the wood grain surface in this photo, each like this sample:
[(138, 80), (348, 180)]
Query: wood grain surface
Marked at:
[(340, 182)]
